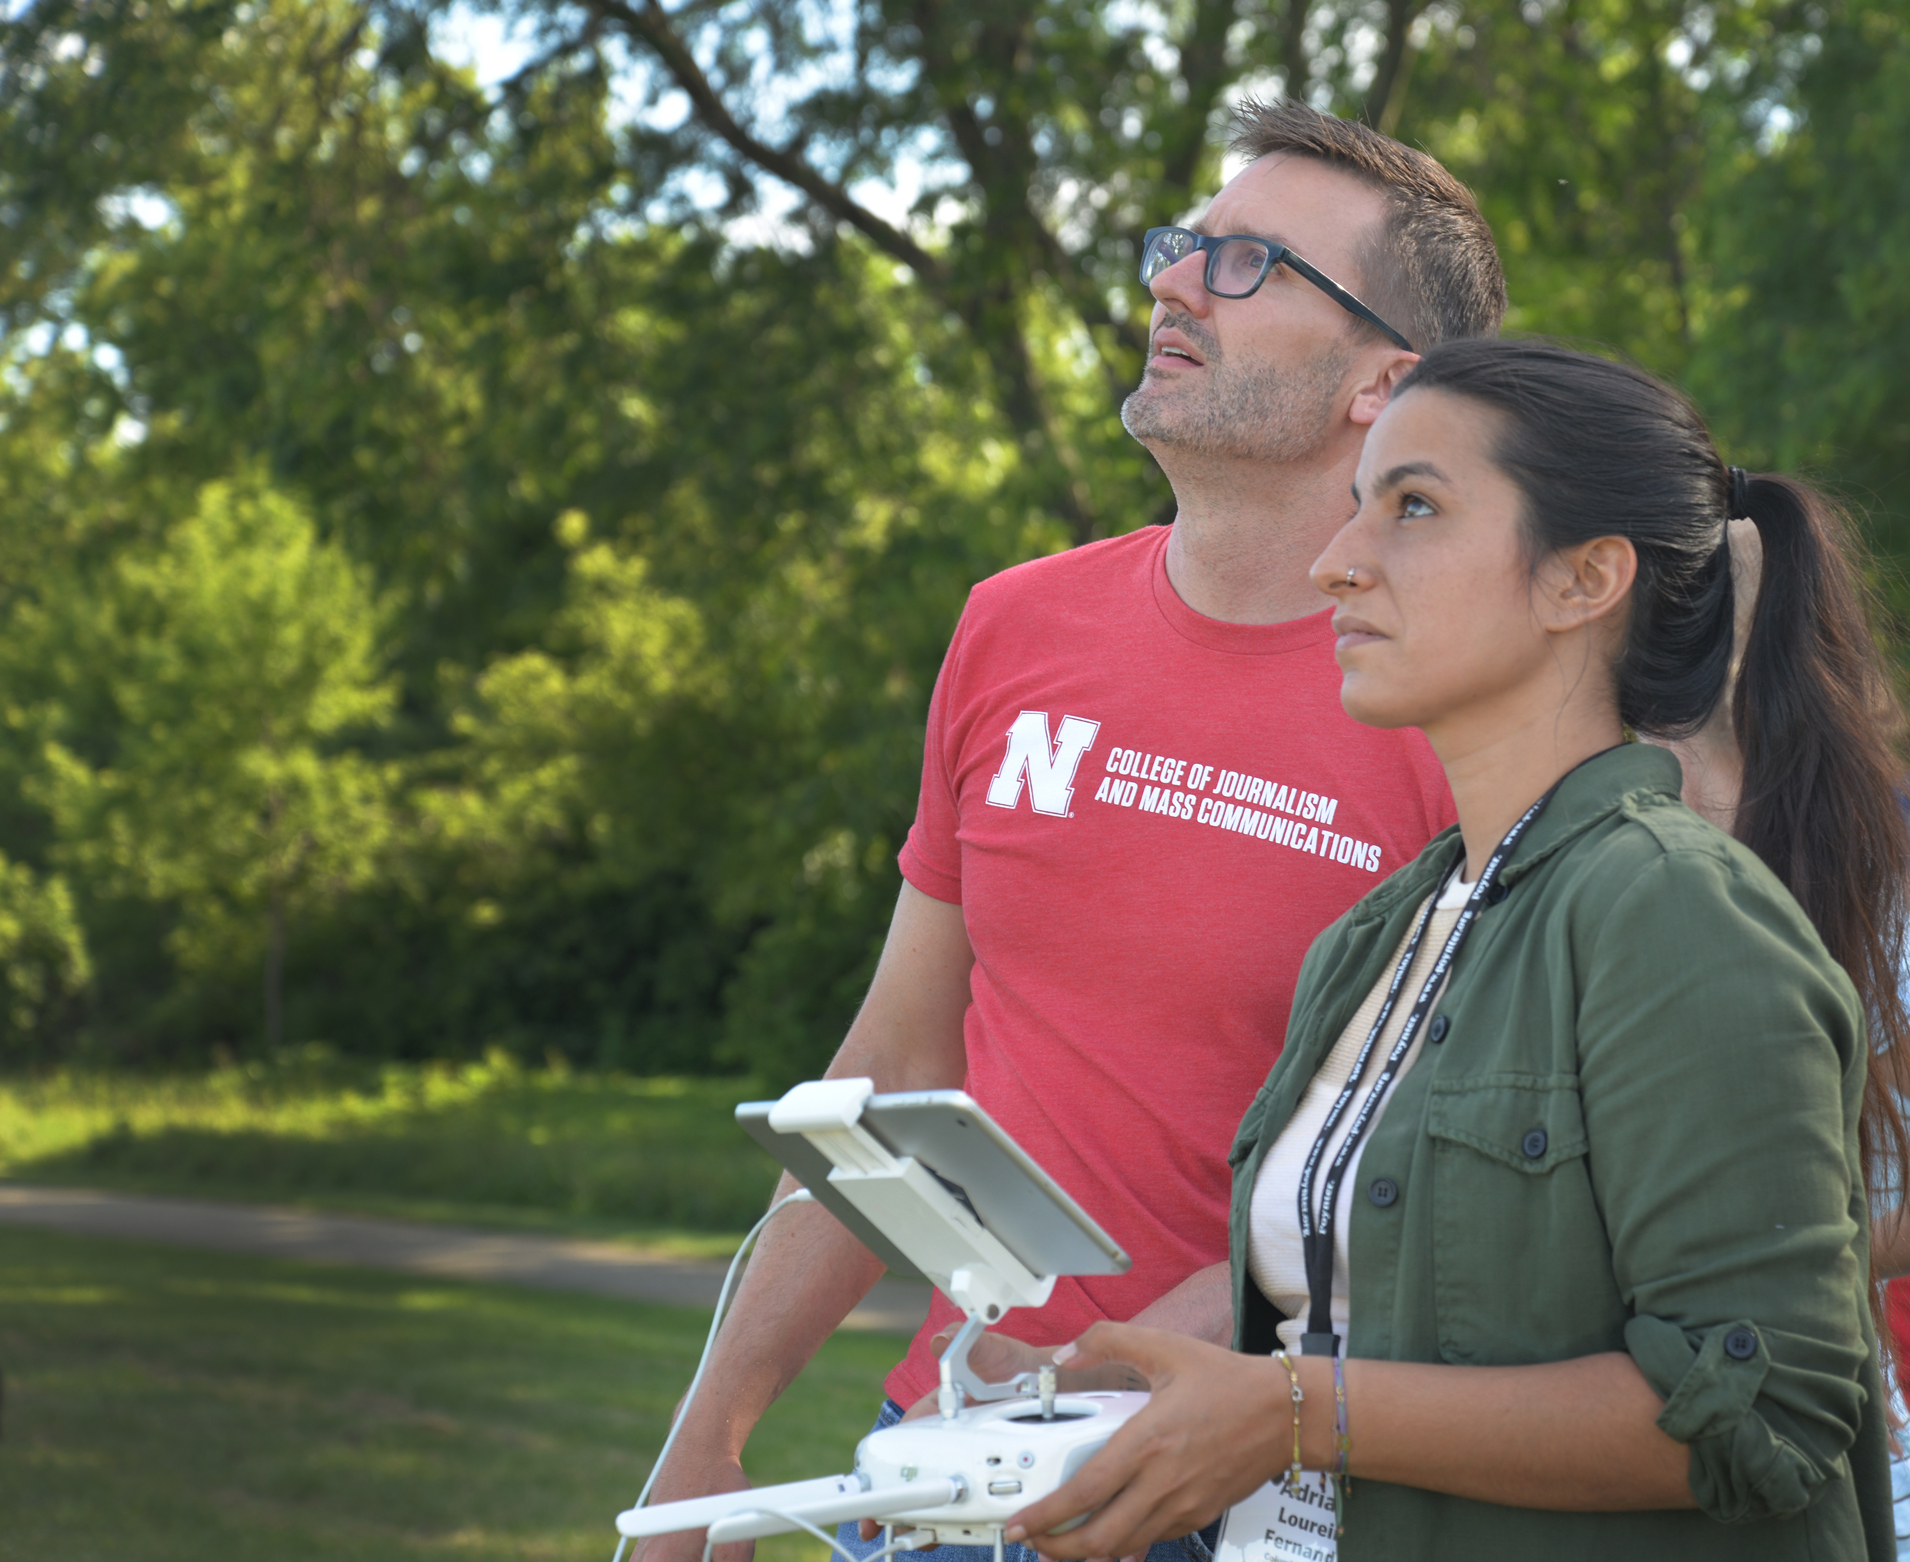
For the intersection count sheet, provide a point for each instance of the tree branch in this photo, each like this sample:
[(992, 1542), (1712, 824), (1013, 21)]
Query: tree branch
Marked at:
[(1293, 58), (1203, 68), (649, 22), (1386, 97), (1006, 176)]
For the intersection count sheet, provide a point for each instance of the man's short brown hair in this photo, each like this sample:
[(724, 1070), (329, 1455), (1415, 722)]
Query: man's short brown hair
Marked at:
[(1431, 270)]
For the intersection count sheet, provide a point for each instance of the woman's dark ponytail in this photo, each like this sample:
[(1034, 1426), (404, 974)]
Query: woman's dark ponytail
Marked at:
[(1817, 723), (1600, 449)]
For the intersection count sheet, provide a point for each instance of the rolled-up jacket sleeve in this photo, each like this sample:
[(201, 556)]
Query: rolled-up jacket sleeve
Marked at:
[(1721, 1074)]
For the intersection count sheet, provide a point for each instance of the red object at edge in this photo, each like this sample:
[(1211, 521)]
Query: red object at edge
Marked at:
[(1898, 1312)]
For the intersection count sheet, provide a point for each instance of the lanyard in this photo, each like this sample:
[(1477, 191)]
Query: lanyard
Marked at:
[(1317, 1240)]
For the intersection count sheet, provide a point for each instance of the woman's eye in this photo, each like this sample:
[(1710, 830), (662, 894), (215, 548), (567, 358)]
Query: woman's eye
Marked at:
[(1415, 505)]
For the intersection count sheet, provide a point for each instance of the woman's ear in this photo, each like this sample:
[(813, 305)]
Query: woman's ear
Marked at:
[(1590, 582)]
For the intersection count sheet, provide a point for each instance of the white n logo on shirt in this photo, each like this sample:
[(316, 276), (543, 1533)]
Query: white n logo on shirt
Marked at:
[(1050, 771)]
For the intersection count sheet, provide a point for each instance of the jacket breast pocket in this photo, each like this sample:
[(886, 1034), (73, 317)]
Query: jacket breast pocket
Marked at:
[(1521, 1266)]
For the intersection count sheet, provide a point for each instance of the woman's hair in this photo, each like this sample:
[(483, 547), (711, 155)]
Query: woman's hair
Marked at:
[(1599, 449)]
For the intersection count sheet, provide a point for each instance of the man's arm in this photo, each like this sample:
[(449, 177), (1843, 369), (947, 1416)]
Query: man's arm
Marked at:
[(1202, 1306), (807, 1272)]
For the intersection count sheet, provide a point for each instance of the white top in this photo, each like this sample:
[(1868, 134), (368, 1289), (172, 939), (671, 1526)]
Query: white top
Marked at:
[(1275, 1257)]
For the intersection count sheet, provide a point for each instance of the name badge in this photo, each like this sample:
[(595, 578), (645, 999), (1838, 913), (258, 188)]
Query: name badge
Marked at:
[(1278, 1525)]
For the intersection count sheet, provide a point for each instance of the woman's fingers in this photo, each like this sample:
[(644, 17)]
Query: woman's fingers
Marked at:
[(1213, 1430), (1155, 1352), (1099, 1480), (1141, 1512)]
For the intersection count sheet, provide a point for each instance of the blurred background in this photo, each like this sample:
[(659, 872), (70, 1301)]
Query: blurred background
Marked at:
[(487, 488)]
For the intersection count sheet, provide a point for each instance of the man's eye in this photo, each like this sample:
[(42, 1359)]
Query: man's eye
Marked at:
[(1415, 505)]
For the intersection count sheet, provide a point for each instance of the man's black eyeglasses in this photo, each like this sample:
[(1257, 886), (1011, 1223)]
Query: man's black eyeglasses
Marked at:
[(1237, 264)]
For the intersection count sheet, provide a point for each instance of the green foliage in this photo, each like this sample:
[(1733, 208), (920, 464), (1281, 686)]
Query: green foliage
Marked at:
[(485, 554), (487, 1141), (1811, 244), (44, 967), (224, 668), (164, 1406)]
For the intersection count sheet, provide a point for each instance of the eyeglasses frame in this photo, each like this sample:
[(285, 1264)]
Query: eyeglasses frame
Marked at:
[(1278, 255)]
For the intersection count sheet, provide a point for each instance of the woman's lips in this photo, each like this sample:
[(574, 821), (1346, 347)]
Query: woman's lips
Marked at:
[(1349, 633)]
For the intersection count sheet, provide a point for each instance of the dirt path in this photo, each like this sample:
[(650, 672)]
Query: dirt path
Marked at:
[(444, 1252)]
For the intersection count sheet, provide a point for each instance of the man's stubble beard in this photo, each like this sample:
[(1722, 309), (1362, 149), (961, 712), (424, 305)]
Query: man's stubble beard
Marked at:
[(1259, 414)]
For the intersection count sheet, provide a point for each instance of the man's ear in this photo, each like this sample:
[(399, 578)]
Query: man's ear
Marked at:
[(1589, 582), (1376, 387)]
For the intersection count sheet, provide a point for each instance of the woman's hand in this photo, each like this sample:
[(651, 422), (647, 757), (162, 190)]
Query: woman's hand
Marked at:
[(997, 1358), (1218, 1425)]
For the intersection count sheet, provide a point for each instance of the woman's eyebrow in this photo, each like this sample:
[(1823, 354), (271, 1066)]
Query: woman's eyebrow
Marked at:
[(1407, 469)]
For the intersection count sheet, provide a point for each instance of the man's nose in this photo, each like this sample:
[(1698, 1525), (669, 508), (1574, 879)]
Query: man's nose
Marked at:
[(1183, 285)]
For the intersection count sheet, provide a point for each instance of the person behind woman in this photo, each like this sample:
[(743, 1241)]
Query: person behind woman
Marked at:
[(1597, 1110)]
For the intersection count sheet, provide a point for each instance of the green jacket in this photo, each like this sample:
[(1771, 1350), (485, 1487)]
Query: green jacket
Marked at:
[(1649, 997)]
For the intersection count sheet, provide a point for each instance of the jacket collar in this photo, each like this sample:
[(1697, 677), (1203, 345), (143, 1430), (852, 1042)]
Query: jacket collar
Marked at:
[(1597, 789)]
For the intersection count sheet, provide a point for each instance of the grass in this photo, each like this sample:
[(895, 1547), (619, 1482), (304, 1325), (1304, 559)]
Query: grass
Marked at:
[(647, 1160), (163, 1405)]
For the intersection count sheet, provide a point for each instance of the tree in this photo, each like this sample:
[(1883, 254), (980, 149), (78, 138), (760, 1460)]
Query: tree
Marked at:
[(44, 966), (655, 506), (1809, 239), (1047, 136), (239, 657)]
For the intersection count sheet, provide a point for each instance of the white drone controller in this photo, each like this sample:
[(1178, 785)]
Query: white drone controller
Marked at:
[(934, 1188)]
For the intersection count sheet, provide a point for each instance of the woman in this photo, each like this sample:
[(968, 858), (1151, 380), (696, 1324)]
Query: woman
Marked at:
[(1579, 1106)]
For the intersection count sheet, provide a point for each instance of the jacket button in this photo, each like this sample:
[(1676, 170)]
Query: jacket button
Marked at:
[(1534, 1144), (1497, 893), (1436, 1032), (1383, 1191), (1741, 1344)]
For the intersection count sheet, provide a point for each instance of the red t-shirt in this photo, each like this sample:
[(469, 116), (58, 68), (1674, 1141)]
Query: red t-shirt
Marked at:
[(1146, 816), (1897, 1315)]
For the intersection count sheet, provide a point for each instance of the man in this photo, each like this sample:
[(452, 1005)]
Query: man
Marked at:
[(1140, 798)]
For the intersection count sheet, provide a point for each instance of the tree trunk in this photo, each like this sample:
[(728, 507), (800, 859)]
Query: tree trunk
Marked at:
[(1293, 55), (275, 970), (1386, 97), (274, 927)]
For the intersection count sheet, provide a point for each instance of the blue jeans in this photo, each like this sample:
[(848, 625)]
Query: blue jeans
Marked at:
[(1189, 1548)]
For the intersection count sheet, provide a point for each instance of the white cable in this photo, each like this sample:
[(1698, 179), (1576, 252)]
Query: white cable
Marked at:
[(906, 1543), (800, 1196)]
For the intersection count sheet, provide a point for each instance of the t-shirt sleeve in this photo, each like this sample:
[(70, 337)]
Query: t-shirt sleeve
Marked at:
[(931, 857)]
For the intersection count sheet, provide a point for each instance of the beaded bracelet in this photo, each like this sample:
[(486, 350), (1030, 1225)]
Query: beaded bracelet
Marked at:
[(1293, 1376), (1342, 1440)]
